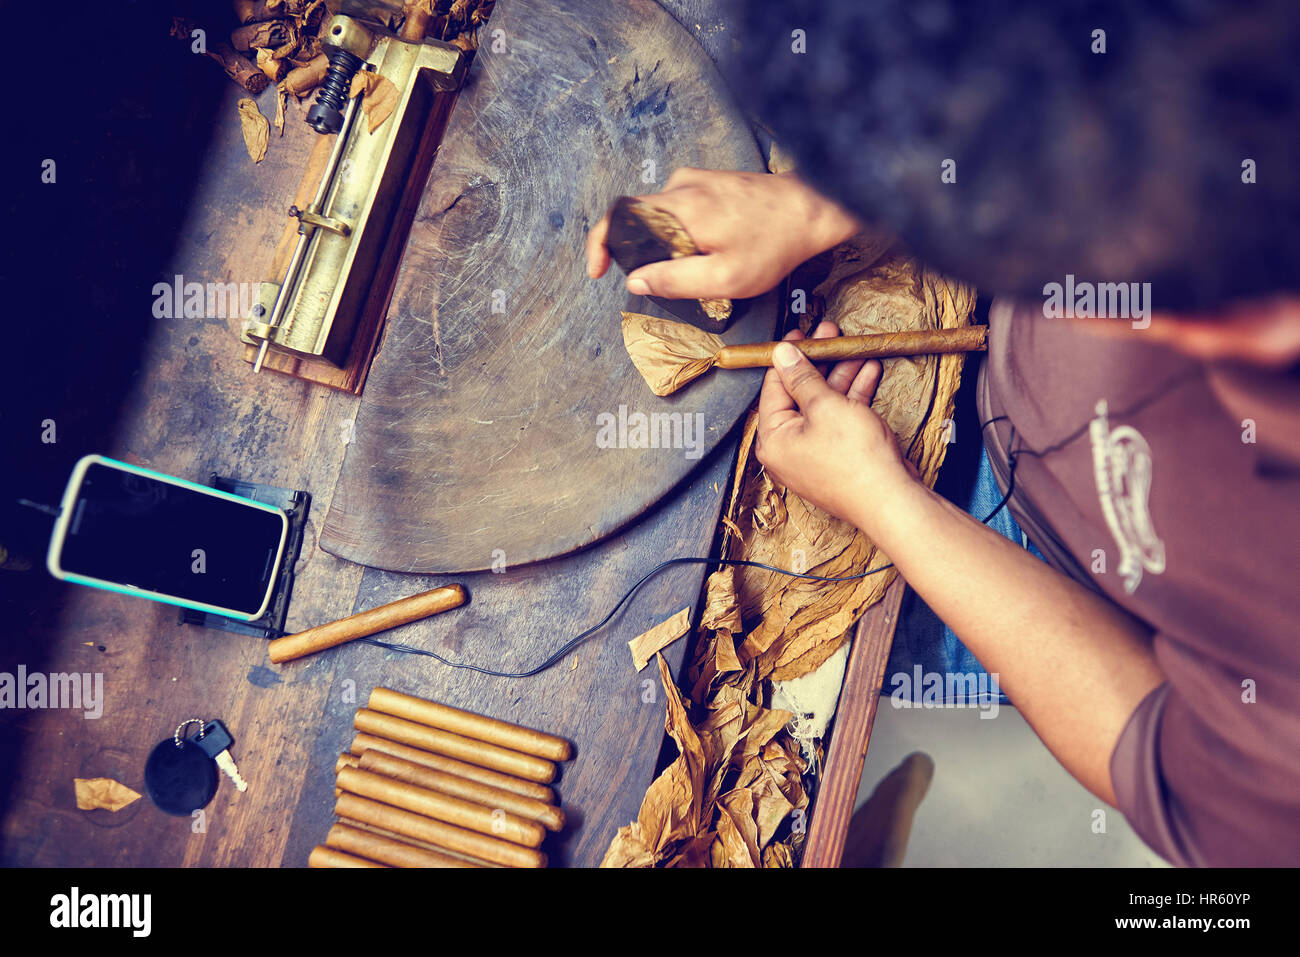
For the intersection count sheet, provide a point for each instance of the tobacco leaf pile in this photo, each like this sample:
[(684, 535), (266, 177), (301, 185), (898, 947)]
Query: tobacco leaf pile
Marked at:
[(737, 794), (278, 41)]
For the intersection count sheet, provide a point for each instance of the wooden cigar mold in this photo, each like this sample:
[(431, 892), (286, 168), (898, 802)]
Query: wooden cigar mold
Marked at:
[(429, 785)]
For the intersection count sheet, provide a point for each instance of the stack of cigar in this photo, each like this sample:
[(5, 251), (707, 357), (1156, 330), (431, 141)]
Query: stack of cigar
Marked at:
[(428, 785)]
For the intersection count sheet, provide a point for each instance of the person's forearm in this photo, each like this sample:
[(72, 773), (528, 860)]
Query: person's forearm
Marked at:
[(1074, 664)]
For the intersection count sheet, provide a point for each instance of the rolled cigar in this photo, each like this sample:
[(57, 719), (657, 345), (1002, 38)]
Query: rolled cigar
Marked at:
[(251, 11), (365, 623), (485, 755), (503, 733), (322, 856), (423, 828), (549, 816), (440, 762), (385, 850), (346, 761), (416, 842), (911, 342), (302, 80), (418, 15), (241, 69), (443, 807)]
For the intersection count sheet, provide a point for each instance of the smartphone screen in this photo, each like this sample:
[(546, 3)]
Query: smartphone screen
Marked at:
[(129, 529)]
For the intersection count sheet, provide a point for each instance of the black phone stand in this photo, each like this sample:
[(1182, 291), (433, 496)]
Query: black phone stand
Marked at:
[(296, 504)]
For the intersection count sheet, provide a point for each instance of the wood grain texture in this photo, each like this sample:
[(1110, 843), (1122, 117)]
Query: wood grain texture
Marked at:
[(479, 426), (196, 407), (851, 732)]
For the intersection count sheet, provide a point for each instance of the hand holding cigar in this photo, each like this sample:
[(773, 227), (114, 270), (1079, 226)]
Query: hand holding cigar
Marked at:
[(670, 354)]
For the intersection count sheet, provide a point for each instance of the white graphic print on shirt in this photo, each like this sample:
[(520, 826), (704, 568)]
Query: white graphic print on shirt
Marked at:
[(1121, 464)]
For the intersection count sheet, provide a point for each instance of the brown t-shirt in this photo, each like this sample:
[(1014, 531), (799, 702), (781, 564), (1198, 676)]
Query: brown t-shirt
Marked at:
[(1151, 491)]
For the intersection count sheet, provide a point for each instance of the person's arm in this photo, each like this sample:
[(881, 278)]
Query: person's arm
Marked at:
[(753, 228), (1075, 665)]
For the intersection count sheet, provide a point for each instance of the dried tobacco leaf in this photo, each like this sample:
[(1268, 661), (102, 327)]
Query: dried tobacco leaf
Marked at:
[(95, 793), (804, 622), (668, 354), (727, 797), (659, 637), (381, 97), (256, 130)]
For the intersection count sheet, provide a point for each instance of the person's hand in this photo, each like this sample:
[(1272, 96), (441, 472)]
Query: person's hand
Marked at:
[(818, 436), (753, 229)]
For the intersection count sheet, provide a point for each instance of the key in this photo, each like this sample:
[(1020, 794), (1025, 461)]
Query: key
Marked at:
[(215, 741)]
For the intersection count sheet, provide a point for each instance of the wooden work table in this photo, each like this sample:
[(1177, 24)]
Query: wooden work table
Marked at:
[(175, 395)]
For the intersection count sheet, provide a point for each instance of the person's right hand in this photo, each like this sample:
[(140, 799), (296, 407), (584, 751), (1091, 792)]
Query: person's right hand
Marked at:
[(819, 437), (753, 229)]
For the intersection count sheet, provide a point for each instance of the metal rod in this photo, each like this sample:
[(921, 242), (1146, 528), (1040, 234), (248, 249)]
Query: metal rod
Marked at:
[(300, 247)]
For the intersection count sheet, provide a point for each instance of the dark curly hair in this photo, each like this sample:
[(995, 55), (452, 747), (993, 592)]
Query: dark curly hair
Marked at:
[(1123, 165)]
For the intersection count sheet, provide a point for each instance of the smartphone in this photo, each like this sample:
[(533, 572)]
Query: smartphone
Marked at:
[(138, 532)]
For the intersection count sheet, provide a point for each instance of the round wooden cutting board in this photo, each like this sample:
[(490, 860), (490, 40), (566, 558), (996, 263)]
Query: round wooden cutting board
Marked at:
[(500, 420)]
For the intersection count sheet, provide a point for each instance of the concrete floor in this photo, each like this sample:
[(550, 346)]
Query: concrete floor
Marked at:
[(998, 798)]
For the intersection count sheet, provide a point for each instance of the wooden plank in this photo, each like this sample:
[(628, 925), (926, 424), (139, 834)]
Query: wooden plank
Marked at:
[(851, 733), (481, 425)]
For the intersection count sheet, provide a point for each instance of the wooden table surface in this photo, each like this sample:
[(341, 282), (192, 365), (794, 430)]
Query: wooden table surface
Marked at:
[(154, 181), (195, 407)]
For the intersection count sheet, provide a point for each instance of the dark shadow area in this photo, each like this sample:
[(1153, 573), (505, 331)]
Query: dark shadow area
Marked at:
[(125, 121)]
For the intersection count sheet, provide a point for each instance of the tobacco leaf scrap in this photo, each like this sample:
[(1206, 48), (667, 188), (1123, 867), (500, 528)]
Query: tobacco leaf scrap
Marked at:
[(659, 637), (381, 96), (668, 354), (95, 793), (256, 130)]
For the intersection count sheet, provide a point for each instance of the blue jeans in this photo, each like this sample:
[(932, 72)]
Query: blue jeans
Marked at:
[(921, 638)]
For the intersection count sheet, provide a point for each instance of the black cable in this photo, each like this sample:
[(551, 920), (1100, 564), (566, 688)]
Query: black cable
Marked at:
[(584, 636), (579, 639)]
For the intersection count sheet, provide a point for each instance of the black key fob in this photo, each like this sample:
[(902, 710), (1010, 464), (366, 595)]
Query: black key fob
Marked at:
[(180, 778)]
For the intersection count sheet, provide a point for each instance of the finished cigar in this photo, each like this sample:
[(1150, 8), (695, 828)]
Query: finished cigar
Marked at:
[(549, 816), (346, 761), (322, 856), (444, 807), (877, 345), (423, 828), (385, 850), (440, 762), (485, 755), (502, 733), (365, 623), (416, 842)]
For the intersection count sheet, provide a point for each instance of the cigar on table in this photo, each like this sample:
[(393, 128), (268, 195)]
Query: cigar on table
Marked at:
[(240, 69), (909, 342), (549, 816), (322, 856), (470, 725), (526, 766), (385, 850), (363, 742), (439, 833), (442, 807), (362, 624), (416, 842)]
